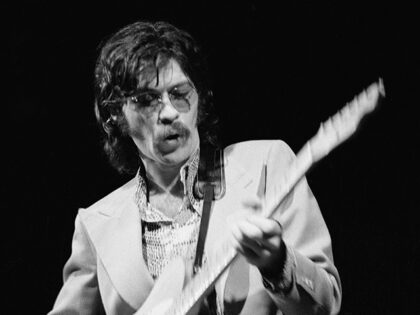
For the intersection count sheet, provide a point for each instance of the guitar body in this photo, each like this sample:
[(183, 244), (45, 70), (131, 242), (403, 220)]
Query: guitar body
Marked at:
[(168, 286)]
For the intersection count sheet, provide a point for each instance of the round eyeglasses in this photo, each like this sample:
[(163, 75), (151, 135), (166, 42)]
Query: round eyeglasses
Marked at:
[(180, 97)]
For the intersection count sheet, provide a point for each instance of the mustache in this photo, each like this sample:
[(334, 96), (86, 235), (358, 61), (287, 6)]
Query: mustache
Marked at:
[(176, 128)]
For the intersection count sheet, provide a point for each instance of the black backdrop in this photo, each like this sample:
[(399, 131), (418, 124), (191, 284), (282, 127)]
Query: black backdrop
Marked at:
[(277, 72)]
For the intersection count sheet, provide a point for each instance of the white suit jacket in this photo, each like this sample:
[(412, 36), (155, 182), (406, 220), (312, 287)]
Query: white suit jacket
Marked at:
[(106, 272)]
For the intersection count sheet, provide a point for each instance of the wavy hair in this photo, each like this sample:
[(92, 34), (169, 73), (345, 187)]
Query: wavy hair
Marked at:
[(123, 58)]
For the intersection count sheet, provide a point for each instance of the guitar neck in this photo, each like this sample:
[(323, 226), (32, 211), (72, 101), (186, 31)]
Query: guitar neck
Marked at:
[(296, 171)]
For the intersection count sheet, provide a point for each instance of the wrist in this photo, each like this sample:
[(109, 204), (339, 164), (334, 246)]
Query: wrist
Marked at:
[(274, 270), (277, 278)]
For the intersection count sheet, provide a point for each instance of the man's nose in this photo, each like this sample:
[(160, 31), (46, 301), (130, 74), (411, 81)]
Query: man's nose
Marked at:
[(168, 113)]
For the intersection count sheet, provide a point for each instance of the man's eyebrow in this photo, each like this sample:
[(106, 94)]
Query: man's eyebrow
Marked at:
[(182, 83), (169, 88)]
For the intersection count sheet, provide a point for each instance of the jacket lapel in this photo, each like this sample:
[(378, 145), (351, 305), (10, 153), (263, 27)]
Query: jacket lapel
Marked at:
[(117, 239)]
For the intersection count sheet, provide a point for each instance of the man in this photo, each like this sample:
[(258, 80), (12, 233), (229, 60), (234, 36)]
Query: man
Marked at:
[(154, 105)]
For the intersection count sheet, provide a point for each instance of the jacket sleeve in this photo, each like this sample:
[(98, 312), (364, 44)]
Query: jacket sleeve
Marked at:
[(313, 282), (80, 293)]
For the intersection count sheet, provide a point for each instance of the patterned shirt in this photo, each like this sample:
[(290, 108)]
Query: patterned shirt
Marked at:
[(166, 238)]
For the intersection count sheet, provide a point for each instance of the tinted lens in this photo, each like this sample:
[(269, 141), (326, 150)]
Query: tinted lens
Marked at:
[(181, 105), (146, 101), (182, 96)]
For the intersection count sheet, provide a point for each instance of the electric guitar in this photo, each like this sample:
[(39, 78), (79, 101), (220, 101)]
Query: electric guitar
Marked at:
[(170, 295)]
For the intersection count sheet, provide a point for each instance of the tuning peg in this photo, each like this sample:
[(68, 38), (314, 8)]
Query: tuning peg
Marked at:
[(381, 87)]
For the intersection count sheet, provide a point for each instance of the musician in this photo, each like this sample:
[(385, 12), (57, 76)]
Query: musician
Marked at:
[(155, 109)]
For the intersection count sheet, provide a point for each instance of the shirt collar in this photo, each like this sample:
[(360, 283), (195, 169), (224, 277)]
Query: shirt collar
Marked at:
[(188, 174)]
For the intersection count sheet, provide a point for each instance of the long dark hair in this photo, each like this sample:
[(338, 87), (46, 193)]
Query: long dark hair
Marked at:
[(126, 55)]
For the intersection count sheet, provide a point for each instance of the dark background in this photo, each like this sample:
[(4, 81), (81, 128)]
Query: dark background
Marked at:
[(277, 72)]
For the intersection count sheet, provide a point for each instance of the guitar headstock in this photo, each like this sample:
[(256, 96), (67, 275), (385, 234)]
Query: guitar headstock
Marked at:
[(342, 125)]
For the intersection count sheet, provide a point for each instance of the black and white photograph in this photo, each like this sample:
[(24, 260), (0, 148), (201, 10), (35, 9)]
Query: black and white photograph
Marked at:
[(210, 158)]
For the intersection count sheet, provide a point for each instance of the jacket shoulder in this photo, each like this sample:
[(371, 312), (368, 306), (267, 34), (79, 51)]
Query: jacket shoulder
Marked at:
[(257, 150)]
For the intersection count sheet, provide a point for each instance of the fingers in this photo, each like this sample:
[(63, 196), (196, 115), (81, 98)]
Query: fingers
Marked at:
[(257, 238), (269, 227)]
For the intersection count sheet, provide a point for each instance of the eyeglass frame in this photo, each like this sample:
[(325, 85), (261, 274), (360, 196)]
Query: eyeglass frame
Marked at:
[(158, 97)]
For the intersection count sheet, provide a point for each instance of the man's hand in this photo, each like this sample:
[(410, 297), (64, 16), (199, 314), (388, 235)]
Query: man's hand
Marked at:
[(259, 239)]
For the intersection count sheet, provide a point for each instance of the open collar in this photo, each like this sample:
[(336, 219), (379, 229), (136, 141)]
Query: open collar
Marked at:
[(188, 174)]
